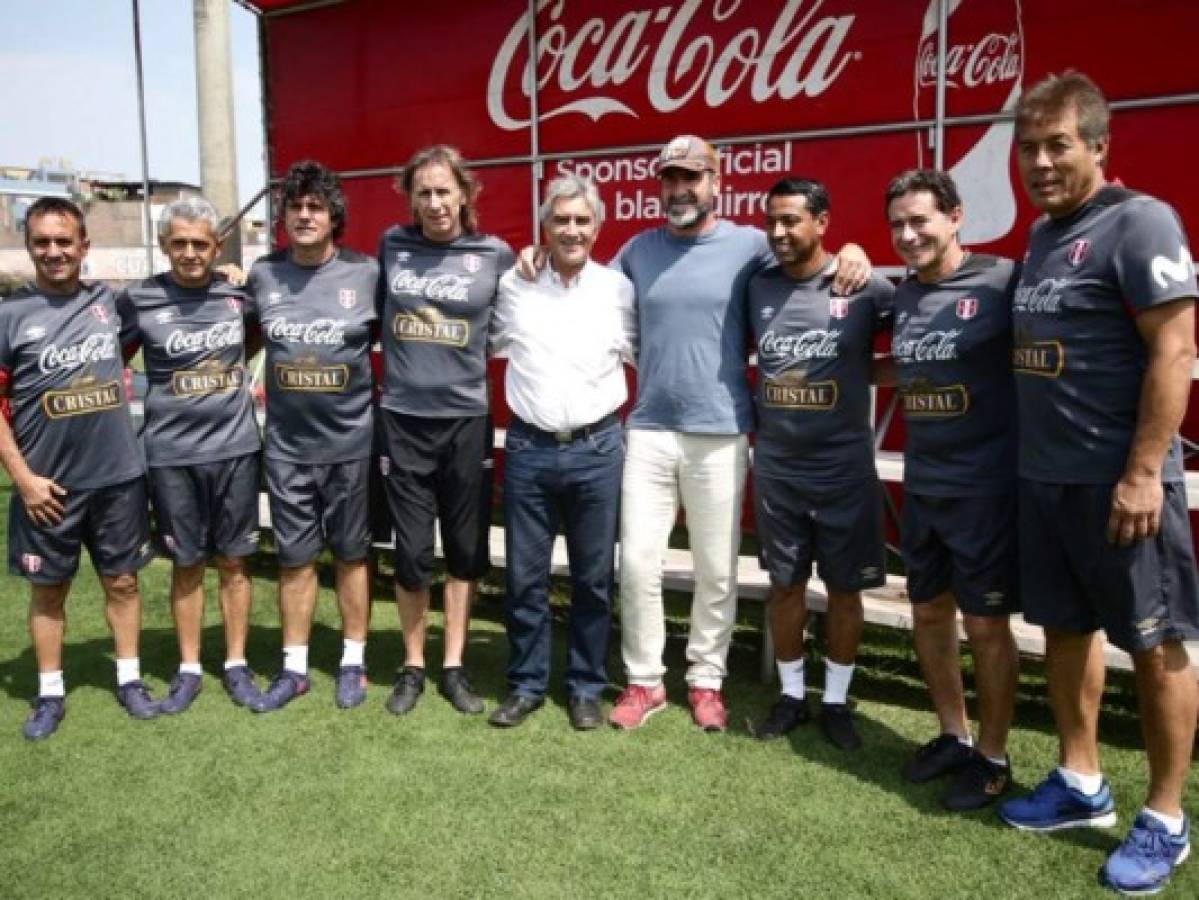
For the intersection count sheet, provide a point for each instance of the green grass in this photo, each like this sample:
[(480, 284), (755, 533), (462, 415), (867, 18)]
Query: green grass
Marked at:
[(317, 802)]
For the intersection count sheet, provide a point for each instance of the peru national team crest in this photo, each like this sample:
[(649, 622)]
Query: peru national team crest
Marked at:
[(1078, 251), (471, 262), (234, 304), (347, 297), (967, 307), (99, 312), (838, 307), (31, 563)]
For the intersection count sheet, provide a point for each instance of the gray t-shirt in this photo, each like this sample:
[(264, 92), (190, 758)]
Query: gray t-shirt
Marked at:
[(435, 303), (691, 295), (62, 356), (1078, 356), (952, 347), (317, 325), (814, 357), (198, 406)]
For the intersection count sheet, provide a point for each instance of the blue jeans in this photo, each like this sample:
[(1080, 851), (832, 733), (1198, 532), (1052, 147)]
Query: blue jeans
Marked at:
[(577, 485)]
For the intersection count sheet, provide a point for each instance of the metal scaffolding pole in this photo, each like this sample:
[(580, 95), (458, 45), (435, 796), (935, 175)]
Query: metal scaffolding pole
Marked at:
[(147, 226)]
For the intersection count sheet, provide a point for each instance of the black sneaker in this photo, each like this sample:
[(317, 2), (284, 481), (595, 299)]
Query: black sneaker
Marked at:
[(240, 685), (408, 688), (940, 756), (978, 783), (351, 686), (836, 720), (455, 687), (44, 717), (185, 686), (787, 714), (135, 697), (285, 687)]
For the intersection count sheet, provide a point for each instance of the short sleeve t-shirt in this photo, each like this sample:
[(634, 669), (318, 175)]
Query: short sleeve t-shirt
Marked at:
[(198, 406), (691, 316), (952, 346), (316, 326), (1079, 358), (66, 386), (814, 357), (435, 308)]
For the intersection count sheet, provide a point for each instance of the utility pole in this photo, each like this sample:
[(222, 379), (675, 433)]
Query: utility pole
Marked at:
[(214, 100)]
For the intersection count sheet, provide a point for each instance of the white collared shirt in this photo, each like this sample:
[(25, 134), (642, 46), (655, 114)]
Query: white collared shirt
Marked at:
[(566, 344)]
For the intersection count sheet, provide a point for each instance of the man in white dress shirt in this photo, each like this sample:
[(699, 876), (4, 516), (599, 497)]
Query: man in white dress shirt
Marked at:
[(567, 336)]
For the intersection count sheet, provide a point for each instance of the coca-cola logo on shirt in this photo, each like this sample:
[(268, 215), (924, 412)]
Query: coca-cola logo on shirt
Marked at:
[(816, 343), (1043, 297), (933, 346), (322, 332), (216, 337), (438, 286), (92, 349), (670, 53)]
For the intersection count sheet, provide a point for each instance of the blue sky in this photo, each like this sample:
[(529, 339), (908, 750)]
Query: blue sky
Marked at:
[(70, 88)]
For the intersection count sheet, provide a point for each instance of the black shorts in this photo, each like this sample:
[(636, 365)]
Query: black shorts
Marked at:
[(319, 504), (438, 469), (966, 545), (206, 509), (112, 522), (1073, 580), (838, 527)]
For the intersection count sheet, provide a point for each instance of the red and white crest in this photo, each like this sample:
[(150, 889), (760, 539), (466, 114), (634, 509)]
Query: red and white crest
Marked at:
[(838, 307), (472, 263), (99, 312), (347, 297), (234, 304), (1078, 251), (31, 563), (967, 307)]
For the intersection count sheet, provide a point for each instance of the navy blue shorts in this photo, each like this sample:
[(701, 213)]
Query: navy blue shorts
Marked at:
[(965, 545), (319, 504), (206, 509), (112, 522), (838, 527), (1073, 580), (438, 470)]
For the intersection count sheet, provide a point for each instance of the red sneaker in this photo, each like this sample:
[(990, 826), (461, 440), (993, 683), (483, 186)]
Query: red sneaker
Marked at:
[(636, 704), (707, 709)]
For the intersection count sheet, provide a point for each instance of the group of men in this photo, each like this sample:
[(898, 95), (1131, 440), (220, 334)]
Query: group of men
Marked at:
[(1042, 465)]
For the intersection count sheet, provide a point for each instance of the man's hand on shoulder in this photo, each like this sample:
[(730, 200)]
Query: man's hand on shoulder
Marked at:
[(233, 273), (852, 270), (530, 261)]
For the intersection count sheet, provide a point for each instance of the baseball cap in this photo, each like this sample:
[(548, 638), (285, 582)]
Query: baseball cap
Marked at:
[(688, 152)]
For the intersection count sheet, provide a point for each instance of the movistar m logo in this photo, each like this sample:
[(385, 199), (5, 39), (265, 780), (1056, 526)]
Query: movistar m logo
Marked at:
[(1180, 271)]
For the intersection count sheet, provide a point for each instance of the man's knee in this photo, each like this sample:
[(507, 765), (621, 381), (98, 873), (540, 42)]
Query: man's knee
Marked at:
[(121, 588), (230, 567), (987, 631), (48, 599)]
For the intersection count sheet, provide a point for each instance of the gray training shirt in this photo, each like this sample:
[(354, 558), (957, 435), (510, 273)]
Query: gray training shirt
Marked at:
[(435, 303), (198, 406), (317, 324), (814, 358), (62, 356), (1078, 356)]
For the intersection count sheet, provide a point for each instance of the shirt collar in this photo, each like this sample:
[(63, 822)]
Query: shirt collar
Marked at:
[(556, 279)]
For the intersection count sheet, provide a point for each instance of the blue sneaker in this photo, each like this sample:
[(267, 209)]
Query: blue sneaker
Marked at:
[(285, 688), (43, 719), (184, 688), (240, 685), (135, 697), (1053, 805), (1144, 862), (351, 686)]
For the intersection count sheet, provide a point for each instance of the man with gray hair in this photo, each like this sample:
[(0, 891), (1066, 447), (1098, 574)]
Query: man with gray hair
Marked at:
[(201, 439), (566, 335)]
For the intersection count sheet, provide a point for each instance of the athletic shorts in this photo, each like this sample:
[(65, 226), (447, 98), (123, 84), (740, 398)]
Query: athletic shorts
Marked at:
[(207, 509), (112, 522), (966, 545), (438, 469), (319, 504), (840, 528), (1073, 580)]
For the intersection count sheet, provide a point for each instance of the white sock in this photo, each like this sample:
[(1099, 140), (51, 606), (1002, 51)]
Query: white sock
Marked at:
[(836, 681), (967, 741), (190, 669), (791, 677), (295, 659), (50, 684), (1173, 823), (128, 670), (234, 663), (1084, 784), (352, 652)]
